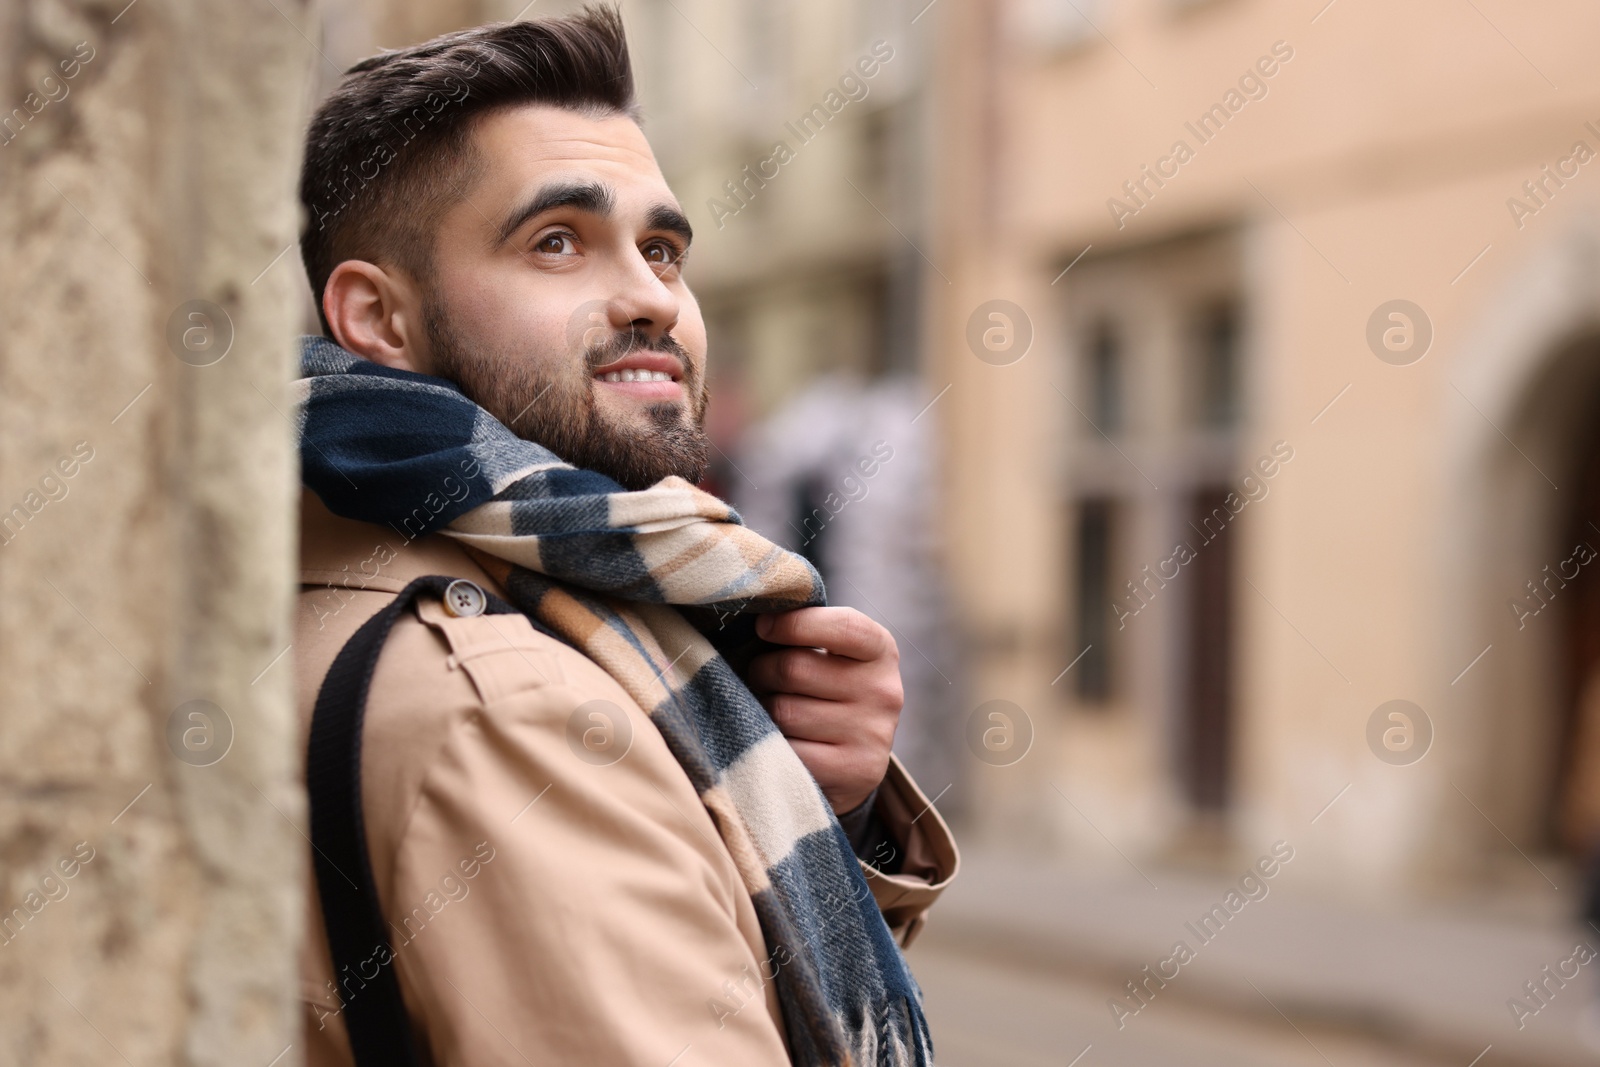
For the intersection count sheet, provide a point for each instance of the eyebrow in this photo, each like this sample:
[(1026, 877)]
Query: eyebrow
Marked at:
[(669, 218), (594, 198)]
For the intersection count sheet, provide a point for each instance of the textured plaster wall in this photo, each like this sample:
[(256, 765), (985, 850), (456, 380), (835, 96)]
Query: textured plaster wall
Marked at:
[(156, 171)]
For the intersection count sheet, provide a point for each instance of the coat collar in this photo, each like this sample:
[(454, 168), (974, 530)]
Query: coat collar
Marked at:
[(359, 555)]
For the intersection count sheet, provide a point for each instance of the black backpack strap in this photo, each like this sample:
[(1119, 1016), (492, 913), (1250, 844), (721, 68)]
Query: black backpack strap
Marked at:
[(363, 961)]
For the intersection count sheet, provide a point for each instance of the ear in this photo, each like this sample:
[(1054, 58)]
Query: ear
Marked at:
[(377, 314)]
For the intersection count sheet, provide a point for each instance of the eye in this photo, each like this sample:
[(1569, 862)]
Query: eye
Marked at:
[(556, 243), (663, 254)]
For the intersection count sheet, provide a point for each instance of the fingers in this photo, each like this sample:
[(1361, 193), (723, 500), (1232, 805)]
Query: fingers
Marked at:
[(811, 719), (808, 672), (864, 731), (842, 631), (836, 697), (847, 775)]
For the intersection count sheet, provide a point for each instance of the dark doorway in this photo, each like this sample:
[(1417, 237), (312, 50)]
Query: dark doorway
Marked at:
[(1206, 737), (1570, 584), (812, 519), (1095, 536)]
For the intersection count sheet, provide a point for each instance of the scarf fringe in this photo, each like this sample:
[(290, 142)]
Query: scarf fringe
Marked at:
[(900, 1038)]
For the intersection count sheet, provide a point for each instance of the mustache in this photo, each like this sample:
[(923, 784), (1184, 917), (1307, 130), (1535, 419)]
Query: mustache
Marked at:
[(619, 345)]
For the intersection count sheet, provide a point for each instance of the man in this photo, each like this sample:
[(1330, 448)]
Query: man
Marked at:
[(589, 842)]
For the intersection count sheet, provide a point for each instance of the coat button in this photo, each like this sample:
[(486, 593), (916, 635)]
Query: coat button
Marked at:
[(463, 599)]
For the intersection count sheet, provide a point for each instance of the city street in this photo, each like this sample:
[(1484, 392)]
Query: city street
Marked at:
[(988, 1014), (1020, 959)]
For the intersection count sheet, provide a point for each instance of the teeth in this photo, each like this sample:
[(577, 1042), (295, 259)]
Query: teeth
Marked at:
[(636, 376)]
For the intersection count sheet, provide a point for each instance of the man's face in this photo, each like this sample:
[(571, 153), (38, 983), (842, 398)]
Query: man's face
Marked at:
[(557, 302)]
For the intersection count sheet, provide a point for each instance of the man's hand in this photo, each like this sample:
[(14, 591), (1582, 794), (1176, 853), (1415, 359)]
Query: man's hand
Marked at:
[(837, 697)]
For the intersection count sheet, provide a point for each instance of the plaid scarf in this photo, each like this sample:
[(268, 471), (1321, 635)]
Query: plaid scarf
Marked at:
[(661, 589)]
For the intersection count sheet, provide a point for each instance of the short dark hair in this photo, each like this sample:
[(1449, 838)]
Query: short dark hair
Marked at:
[(390, 149)]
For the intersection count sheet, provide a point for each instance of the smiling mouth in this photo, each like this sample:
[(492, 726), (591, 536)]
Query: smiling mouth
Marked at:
[(644, 375)]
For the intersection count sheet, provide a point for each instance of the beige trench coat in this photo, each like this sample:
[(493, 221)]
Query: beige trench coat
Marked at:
[(542, 910)]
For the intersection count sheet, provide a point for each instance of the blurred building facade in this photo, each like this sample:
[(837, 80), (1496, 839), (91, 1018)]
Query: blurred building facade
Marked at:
[(1217, 496)]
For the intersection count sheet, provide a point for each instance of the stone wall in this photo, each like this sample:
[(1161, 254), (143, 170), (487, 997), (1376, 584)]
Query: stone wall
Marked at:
[(150, 862)]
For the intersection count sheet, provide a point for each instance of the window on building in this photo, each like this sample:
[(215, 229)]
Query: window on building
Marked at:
[(1105, 377), (894, 316), (876, 129), (1217, 366), (1095, 530)]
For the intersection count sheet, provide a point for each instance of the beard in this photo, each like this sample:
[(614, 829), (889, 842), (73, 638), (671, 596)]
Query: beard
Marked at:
[(549, 399)]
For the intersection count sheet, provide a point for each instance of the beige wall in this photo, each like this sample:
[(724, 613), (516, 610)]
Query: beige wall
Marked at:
[(1377, 166)]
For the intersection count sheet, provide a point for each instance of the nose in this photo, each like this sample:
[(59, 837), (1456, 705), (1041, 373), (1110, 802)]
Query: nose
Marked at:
[(641, 302)]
